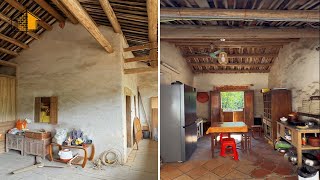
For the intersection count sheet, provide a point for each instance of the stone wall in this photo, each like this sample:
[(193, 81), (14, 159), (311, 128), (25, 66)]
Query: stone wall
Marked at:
[(172, 56), (297, 68), (89, 83), (205, 83)]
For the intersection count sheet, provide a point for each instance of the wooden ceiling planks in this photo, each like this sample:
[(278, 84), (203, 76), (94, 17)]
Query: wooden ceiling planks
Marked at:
[(249, 51)]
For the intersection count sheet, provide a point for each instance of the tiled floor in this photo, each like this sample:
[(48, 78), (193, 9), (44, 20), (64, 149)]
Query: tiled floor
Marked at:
[(262, 162), (141, 165)]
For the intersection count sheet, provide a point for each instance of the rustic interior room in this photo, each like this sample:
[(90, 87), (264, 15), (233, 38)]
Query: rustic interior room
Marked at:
[(244, 77), (76, 102)]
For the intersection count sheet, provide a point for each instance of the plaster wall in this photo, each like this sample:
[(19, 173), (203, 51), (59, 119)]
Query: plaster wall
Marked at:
[(172, 56), (297, 69), (88, 81), (205, 83)]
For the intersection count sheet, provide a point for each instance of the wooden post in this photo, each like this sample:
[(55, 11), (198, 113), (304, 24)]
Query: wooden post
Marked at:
[(105, 4), (83, 17), (152, 9)]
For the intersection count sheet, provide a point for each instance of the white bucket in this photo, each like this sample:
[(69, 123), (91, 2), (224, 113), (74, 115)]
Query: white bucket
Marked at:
[(316, 177)]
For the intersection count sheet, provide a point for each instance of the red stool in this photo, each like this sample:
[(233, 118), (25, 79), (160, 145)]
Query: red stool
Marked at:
[(223, 136), (229, 142)]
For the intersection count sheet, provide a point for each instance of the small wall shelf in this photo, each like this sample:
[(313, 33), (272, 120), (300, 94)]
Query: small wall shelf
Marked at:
[(309, 115)]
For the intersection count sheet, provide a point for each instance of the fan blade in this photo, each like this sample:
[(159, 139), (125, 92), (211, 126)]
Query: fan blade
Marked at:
[(213, 55), (217, 52)]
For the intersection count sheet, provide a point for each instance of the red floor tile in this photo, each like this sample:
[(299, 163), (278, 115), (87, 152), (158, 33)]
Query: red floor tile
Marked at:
[(260, 173)]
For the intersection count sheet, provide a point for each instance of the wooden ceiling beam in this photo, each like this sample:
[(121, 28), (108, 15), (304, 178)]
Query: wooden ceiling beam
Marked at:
[(83, 17), (9, 64), (231, 44), (231, 65), (152, 10), (15, 24), (13, 41), (230, 71), (153, 45), (6, 51), (213, 41), (65, 11), (172, 14), (210, 32), (140, 70), (140, 58), (111, 15), (21, 9), (50, 10), (191, 56)]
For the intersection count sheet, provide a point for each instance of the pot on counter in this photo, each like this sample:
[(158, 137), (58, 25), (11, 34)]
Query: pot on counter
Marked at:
[(310, 159), (314, 141)]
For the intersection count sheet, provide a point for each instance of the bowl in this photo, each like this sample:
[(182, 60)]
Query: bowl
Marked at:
[(283, 119)]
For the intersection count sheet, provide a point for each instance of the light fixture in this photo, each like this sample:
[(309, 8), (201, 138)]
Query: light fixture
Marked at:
[(169, 67), (222, 39)]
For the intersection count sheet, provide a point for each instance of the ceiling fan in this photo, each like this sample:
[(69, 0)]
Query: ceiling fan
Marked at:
[(220, 55)]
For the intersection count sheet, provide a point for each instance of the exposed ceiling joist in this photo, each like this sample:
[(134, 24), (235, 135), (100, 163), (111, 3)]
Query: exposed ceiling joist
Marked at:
[(231, 71), (152, 45), (65, 11), (6, 63), (140, 58), (152, 10), (213, 41), (229, 46), (231, 65), (13, 41), (201, 32), (172, 14), (191, 56), (21, 9), (50, 10), (83, 17), (111, 15), (140, 70), (232, 44), (15, 24), (6, 51)]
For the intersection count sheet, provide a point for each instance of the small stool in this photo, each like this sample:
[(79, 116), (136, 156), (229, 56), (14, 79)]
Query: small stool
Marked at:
[(229, 142), (255, 128), (223, 136), (248, 142)]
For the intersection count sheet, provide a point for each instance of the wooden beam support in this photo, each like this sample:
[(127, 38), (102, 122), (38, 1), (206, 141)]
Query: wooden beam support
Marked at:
[(21, 9), (50, 10), (232, 44), (140, 58), (15, 24), (172, 14), (153, 45), (140, 70), (230, 71), (105, 4), (154, 56), (6, 63), (231, 65), (217, 41), (13, 41), (152, 9), (191, 56), (65, 11), (210, 32), (6, 51), (83, 17)]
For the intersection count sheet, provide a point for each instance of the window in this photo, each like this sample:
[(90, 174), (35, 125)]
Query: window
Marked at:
[(232, 101)]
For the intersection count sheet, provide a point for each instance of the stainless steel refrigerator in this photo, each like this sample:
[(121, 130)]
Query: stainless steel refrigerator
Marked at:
[(177, 122)]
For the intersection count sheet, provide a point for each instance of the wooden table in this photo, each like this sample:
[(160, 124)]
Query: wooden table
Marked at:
[(84, 148), (226, 127)]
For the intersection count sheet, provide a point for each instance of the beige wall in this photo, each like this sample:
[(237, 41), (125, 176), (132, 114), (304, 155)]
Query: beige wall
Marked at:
[(297, 68), (172, 56), (89, 83), (205, 83)]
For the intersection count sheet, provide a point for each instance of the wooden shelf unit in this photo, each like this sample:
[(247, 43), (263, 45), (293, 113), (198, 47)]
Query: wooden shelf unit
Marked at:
[(277, 104), (296, 135)]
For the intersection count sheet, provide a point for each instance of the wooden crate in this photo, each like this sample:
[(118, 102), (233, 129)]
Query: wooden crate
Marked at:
[(38, 135)]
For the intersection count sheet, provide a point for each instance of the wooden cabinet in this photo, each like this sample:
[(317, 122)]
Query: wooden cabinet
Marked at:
[(15, 142), (36, 147), (277, 104)]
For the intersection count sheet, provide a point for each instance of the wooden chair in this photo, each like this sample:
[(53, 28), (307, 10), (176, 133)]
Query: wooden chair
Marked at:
[(256, 128)]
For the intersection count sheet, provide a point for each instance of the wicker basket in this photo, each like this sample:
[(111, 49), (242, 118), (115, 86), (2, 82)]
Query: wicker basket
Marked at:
[(37, 135)]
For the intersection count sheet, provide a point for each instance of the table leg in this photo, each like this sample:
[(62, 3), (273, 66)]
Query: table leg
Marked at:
[(50, 152), (92, 153), (85, 159), (212, 143), (299, 151)]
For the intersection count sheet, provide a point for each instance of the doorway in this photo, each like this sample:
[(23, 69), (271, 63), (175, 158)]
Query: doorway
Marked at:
[(128, 121), (232, 106)]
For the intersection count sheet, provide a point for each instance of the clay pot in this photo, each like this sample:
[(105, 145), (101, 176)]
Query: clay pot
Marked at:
[(314, 141)]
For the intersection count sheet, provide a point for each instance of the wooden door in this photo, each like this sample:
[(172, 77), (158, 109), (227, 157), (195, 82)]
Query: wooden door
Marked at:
[(248, 107), (215, 106), (128, 121), (154, 114), (53, 110)]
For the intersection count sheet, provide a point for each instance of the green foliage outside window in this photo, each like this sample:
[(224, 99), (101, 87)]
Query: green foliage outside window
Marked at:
[(232, 101)]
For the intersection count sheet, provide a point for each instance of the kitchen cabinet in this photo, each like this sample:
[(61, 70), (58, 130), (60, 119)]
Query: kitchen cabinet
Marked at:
[(277, 104)]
